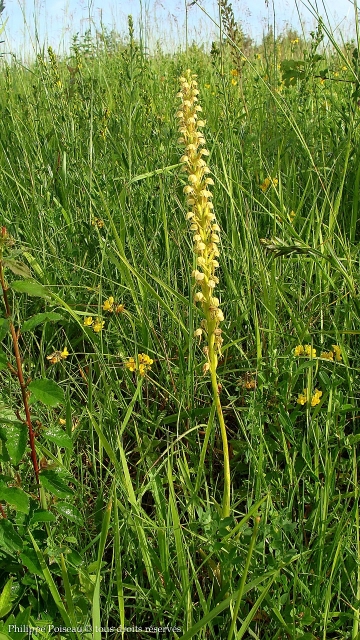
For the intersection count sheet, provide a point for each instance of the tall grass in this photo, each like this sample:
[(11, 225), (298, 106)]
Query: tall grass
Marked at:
[(133, 533)]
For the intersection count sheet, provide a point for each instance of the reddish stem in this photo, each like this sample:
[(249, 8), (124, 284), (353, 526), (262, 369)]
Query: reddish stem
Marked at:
[(19, 373)]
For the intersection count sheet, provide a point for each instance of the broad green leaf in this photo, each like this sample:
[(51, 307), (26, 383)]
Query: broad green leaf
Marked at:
[(9, 539), (58, 436), (70, 512), (15, 436), (31, 287), (6, 599), (53, 482), (16, 497), (42, 516), (47, 391), (40, 318), (30, 560), (19, 268)]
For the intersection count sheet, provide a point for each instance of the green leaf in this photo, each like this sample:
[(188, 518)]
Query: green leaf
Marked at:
[(30, 560), (15, 435), (70, 512), (6, 599), (21, 619), (42, 516), (3, 361), (16, 497), (47, 391), (9, 539), (4, 327), (40, 318), (53, 482), (19, 268), (58, 436), (31, 287)]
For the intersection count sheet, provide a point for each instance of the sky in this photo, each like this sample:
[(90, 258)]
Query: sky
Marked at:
[(31, 24)]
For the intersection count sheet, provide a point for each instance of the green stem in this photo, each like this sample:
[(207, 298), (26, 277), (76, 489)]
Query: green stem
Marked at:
[(216, 395)]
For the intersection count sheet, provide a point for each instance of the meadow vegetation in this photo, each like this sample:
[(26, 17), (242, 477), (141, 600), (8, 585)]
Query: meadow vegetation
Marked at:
[(119, 511)]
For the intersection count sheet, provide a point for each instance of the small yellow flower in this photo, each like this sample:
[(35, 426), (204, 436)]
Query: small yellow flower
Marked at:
[(258, 56), (327, 355), (98, 325), (344, 68), (267, 182), (130, 364), (234, 73), (97, 222), (207, 86), (57, 356), (316, 398), (309, 351), (119, 308), (234, 82), (303, 397), (62, 421), (143, 365), (299, 350), (109, 304), (88, 322), (295, 41), (337, 352)]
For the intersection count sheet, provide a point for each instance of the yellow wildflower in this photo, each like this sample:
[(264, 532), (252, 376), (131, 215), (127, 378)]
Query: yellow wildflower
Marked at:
[(142, 366), (267, 182), (299, 350), (234, 73), (57, 356), (201, 211), (98, 325), (234, 82), (109, 304), (309, 351), (303, 397), (316, 398), (119, 308), (88, 321), (337, 352), (130, 364), (327, 355), (97, 222)]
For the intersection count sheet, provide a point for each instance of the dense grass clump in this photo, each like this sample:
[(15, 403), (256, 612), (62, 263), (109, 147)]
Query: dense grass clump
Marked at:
[(113, 515)]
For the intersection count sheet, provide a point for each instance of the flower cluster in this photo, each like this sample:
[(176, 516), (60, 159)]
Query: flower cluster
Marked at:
[(330, 355), (200, 210), (308, 350), (110, 306), (267, 183), (304, 397), (57, 356), (142, 365), (305, 350), (96, 324), (97, 222)]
